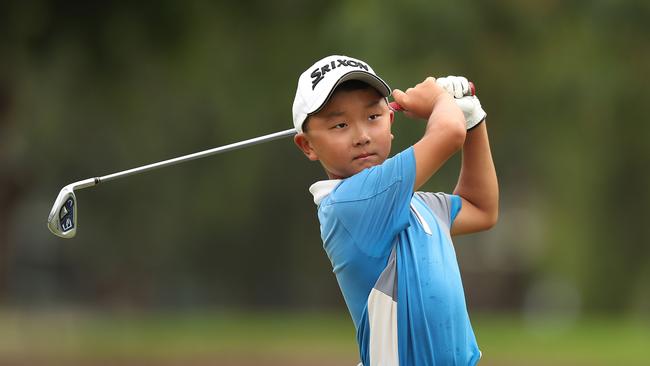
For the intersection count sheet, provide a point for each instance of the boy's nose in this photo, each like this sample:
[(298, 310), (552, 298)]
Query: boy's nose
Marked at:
[(361, 138)]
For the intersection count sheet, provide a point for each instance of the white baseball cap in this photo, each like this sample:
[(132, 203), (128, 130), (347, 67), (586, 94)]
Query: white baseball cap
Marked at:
[(317, 83)]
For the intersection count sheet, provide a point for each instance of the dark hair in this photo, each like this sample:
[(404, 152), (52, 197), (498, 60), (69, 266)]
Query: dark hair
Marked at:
[(348, 85)]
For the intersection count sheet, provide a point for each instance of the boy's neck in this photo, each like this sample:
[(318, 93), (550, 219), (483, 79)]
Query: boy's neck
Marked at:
[(334, 176)]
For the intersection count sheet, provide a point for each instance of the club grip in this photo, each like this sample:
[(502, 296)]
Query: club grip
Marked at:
[(396, 107)]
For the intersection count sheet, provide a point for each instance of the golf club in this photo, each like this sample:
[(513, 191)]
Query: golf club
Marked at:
[(62, 220)]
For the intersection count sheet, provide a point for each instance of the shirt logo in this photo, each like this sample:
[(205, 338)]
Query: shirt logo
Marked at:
[(319, 73)]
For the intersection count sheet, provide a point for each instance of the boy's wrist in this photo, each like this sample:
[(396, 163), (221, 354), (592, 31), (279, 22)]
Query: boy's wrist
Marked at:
[(446, 116), (475, 127), (445, 103)]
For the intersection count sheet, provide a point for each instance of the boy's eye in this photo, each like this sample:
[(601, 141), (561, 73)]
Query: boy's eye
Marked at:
[(340, 125), (374, 117)]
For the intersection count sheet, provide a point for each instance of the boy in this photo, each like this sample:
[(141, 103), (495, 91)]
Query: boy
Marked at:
[(389, 245)]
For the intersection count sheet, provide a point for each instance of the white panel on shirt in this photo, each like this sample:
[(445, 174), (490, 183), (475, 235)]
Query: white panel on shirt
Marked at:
[(382, 317), (382, 320)]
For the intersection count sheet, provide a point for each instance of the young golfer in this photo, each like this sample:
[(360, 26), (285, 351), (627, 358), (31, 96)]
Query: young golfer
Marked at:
[(390, 246)]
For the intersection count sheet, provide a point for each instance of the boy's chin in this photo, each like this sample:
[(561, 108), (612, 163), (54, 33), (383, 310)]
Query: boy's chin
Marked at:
[(366, 165), (357, 167), (362, 165)]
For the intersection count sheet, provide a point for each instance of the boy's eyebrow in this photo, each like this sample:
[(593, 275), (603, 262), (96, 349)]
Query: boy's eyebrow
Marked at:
[(334, 114), (373, 103), (340, 113)]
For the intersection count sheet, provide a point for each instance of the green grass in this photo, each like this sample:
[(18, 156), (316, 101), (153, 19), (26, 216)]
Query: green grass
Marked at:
[(158, 338), (591, 341)]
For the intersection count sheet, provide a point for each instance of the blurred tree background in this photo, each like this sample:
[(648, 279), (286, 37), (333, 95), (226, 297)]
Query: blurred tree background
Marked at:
[(91, 88)]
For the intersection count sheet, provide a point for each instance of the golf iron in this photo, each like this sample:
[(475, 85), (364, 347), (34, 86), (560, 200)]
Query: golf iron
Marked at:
[(62, 220)]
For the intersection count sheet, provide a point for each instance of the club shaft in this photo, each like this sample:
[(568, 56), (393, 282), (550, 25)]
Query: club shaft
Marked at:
[(197, 155)]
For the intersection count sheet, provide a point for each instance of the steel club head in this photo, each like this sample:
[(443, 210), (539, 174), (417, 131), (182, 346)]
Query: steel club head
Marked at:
[(62, 220)]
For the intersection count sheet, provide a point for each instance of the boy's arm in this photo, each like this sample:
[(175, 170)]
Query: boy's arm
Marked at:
[(477, 185), (445, 131)]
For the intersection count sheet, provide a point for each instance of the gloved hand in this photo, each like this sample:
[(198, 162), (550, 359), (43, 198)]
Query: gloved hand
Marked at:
[(458, 87)]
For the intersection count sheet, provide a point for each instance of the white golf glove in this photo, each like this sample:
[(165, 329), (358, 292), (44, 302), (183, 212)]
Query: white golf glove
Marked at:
[(458, 87)]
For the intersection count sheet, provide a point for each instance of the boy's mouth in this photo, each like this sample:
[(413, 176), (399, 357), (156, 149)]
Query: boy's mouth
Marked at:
[(363, 156)]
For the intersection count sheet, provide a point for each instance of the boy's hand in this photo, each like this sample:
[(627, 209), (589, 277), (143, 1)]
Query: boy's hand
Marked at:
[(418, 101), (459, 87)]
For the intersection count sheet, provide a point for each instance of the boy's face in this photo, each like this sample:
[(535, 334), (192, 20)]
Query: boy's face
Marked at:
[(351, 133)]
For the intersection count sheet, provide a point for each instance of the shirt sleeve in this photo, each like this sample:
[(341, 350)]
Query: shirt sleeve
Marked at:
[(444, 206), (373, 205)]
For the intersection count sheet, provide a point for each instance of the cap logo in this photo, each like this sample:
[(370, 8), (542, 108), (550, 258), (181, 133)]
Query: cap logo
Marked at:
[(319, 73)]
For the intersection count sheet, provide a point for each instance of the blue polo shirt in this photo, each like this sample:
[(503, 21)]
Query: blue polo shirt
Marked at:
[(393, 258)]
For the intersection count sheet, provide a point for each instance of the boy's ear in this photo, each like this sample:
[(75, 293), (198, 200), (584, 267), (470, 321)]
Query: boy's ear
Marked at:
[(303, 143), (392, 118)]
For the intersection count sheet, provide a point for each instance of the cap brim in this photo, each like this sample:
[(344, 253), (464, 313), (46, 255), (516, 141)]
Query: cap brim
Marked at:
[(371, 79)]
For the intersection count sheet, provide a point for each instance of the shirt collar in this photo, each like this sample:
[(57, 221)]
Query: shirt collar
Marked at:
[(323, 188)]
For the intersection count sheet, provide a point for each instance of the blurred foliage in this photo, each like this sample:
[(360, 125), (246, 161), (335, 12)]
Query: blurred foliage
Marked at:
[(90, 88)]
